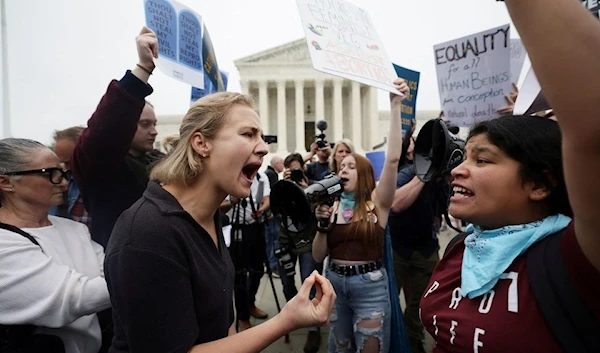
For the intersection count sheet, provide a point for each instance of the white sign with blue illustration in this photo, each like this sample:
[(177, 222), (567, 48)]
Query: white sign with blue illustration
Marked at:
[(179, 32)]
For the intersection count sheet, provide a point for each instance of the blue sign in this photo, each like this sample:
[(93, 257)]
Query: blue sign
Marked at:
[(161, 18), (209, 88), (409, 104), (211, 68), (190, 36), (179, 32), (214, 79), (377, 159)]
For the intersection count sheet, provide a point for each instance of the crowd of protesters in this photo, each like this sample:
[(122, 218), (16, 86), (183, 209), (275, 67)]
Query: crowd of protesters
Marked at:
[(110, 245)]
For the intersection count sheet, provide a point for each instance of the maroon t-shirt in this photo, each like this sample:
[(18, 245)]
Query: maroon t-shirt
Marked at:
[(507, 318)]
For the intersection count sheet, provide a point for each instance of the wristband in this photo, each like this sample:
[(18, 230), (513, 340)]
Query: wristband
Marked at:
[(143, 68)]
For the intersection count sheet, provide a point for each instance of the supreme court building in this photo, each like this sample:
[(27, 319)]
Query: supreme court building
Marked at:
[(292, 97)]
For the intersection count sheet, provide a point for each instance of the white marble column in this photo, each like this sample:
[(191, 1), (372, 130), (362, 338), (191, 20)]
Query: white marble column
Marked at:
[(299, 86), (338, 117), (245, 86), (375, 139), (281, 119), (263, 106), (319, 101), (356, 117)]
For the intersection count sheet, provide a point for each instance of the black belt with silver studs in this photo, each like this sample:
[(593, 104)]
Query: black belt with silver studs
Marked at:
[(351, 270)]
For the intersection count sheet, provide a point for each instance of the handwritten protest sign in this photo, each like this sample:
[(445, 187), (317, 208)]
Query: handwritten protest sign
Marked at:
[(343, 42), (214, 79), (593, 6), (179, 32), (474, 75), (517, 59), (409, 104)]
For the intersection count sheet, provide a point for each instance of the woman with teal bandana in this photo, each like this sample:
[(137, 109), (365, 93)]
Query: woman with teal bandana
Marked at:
[(361, 318), (484, 295)]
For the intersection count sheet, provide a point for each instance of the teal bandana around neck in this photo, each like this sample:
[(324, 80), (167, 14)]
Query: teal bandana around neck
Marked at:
[(347, 205), (488, 253)]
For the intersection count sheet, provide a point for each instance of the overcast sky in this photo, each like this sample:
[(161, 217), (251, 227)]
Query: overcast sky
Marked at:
[(63, 53)]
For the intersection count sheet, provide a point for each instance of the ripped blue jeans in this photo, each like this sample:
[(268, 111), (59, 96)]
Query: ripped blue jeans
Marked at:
[(362, 312)]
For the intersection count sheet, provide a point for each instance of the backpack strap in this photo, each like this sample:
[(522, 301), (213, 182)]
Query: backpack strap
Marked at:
[(460, 237), (14, 229), (565, 313)]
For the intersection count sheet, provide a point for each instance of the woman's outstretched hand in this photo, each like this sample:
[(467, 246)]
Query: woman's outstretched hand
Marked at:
[(301, 311)]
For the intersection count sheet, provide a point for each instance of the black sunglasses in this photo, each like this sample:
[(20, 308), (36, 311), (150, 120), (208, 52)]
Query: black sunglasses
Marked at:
[(55, 175)]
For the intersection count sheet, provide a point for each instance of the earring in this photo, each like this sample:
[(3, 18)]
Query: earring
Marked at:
[(11, 190)]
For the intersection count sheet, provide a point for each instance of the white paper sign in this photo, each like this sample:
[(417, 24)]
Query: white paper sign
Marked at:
[(343, 42), (474, 75), (531, 98), (179, 32), (517, 59)]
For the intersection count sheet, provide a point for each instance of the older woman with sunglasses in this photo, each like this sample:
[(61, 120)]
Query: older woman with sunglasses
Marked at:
[(54, 280)]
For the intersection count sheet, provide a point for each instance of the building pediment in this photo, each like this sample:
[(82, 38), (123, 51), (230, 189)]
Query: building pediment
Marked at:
[(290, 53)]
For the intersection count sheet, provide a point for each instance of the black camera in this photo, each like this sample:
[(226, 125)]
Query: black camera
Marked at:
[(269, 139), (324, 191), (294, 207), (285, 260), (297, 175), (321, 139), (437, 152)]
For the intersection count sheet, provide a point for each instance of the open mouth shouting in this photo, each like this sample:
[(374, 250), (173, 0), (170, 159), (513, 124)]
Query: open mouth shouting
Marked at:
[(249, 172)]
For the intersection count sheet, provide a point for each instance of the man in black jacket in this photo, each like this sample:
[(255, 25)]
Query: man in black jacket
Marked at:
[(414, 223)]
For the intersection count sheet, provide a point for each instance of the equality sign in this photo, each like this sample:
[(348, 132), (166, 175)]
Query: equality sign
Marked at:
[(517, 59), (179, 32), (342, 41), (474, 75), (409, 104)]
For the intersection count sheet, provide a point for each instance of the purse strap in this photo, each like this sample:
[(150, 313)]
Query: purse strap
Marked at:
[(17, 230)]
